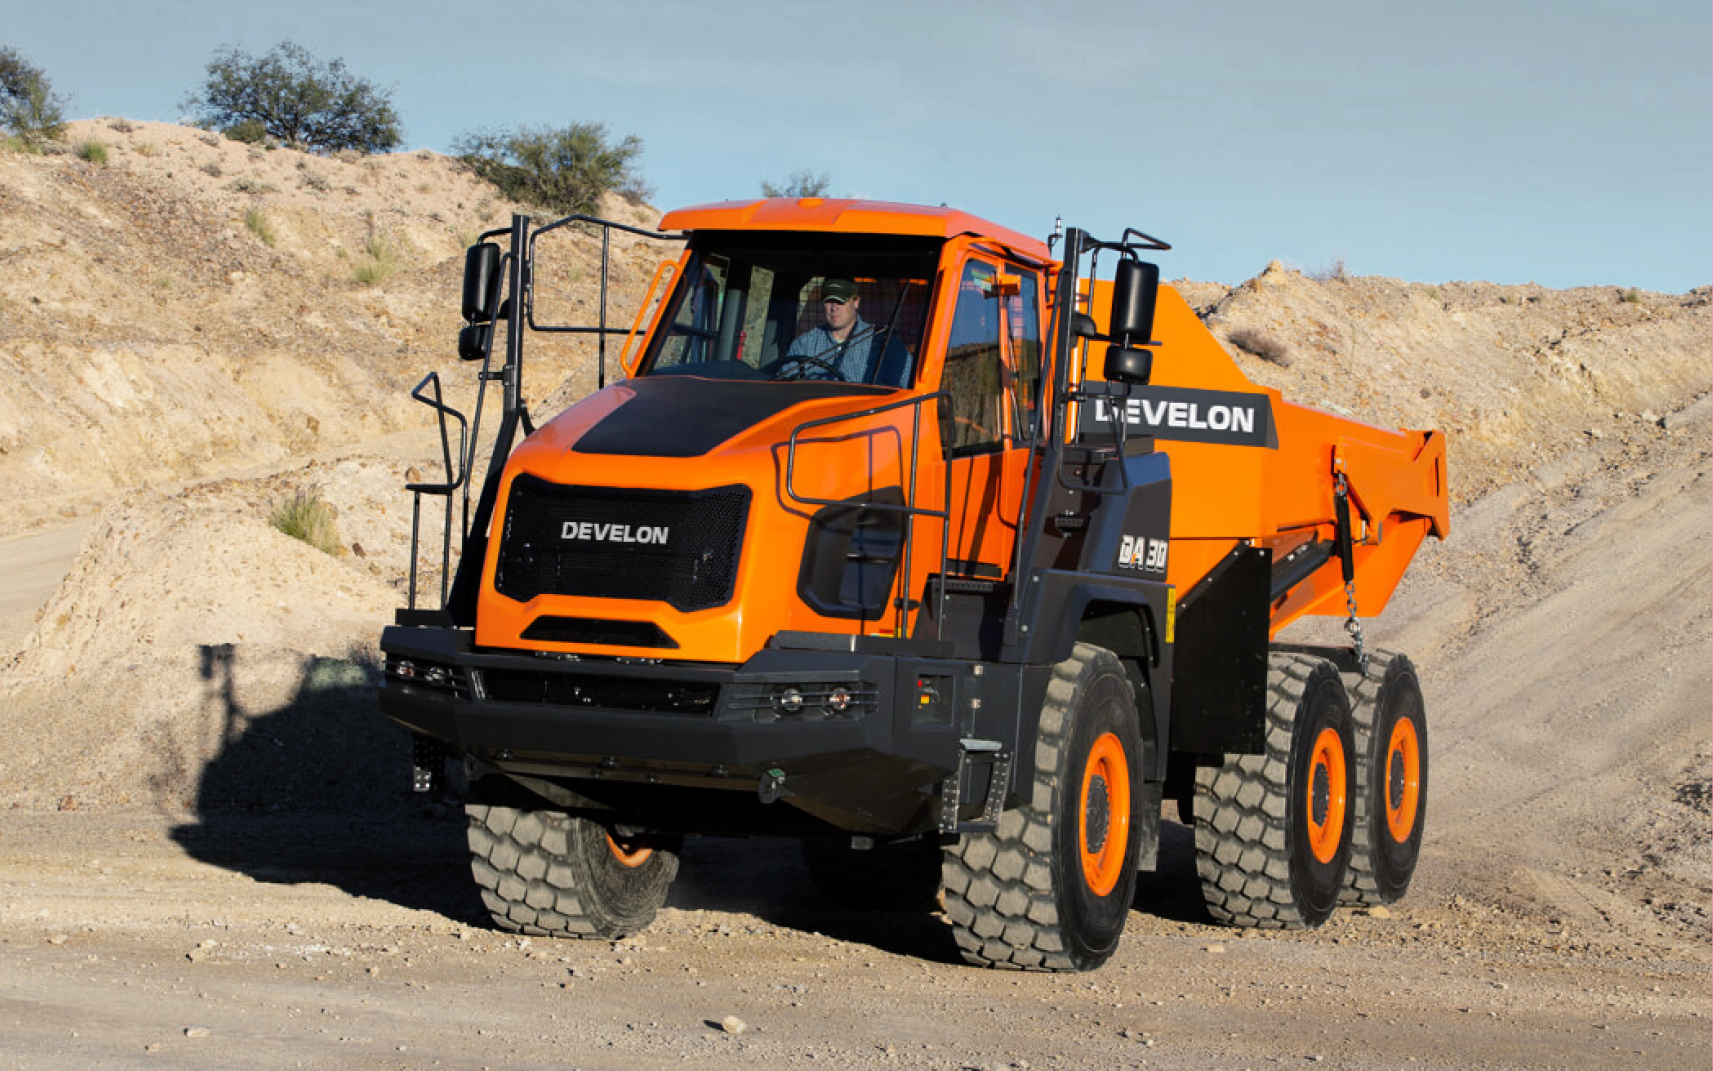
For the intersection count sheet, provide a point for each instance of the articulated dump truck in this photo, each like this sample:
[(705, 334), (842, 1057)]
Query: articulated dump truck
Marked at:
[(949, 552)]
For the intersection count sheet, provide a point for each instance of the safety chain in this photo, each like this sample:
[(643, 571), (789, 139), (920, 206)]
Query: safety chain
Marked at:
[(1351, 625)]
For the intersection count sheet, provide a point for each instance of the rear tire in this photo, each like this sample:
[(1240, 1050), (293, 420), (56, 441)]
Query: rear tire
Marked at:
[(1273, 831), (551, 874), (1051, 889), (1391, 779)]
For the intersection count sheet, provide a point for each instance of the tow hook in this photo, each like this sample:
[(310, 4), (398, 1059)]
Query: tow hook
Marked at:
[(772, 788)]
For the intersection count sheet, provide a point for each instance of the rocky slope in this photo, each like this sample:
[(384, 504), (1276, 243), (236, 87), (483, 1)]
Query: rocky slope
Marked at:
[(193, 307)]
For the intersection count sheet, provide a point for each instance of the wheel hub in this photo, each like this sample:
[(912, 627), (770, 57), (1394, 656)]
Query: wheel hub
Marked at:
[(1395, 781), (1321, 796), (1098, 817)]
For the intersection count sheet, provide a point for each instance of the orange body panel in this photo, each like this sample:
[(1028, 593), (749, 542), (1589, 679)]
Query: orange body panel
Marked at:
[(1281, 498), (848, 217), (848, 460)]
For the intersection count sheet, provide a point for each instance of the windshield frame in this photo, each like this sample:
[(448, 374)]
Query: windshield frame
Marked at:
[(701, 332)]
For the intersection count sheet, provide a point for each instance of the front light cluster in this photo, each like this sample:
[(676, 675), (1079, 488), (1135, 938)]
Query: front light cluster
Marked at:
[(837, 700), (805, 700), (428, 675)]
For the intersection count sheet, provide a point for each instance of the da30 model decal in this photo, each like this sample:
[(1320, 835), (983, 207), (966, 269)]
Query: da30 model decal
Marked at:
[(1184, 415), (1142, 554)]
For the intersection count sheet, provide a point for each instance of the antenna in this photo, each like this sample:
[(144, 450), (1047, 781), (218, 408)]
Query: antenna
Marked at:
[(1058, 232)]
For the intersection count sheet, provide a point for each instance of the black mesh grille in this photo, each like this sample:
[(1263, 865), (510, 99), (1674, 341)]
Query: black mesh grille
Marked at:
[(676, 547)]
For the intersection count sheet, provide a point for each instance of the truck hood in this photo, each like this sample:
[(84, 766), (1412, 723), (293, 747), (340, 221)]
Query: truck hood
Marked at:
[(685, 416)]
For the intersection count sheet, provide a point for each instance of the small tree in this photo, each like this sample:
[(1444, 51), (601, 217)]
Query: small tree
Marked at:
[(567, 169), (294, 97), (802, 183), (28, 106)]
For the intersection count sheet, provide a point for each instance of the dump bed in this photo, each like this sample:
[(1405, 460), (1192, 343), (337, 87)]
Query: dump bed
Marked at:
[(1247, 465)]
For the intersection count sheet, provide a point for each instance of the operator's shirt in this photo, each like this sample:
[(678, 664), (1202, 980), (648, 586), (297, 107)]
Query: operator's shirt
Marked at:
[(858, 356)]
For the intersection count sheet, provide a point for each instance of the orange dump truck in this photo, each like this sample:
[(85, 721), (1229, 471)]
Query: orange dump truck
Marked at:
[(948, 552)]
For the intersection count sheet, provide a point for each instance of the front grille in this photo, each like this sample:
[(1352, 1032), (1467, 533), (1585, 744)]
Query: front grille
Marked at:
[(598, 630), (609, 693), (676, 547)]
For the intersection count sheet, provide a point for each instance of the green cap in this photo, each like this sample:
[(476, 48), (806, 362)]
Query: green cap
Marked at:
[(838, 290)]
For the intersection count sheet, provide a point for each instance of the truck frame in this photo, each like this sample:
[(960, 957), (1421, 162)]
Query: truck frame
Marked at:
[(960, 602)]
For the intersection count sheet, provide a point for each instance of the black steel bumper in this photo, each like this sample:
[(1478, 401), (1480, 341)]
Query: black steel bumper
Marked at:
[(858, 737)]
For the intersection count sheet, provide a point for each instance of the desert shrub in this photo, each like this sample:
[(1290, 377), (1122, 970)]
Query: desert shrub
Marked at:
[(257, 224), (380, 263), (292, 96), (1261, 345), (248, 131), (1631, 296), (802, 183), (123, 126), (306, 516), (29, 108), (92, 151), (567, 169), (1333, 270)]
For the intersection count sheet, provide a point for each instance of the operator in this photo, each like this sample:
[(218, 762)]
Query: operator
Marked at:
[(847, 346)]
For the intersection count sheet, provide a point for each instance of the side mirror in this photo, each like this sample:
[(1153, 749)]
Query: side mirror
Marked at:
[(481, 283), (474, 341), (1135, 284), (1127, 364)]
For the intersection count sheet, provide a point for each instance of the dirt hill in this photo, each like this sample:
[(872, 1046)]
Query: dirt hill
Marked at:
[(194, 307)]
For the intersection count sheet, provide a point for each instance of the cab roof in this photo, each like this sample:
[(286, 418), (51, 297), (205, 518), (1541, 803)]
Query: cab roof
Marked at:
[(846, 216)]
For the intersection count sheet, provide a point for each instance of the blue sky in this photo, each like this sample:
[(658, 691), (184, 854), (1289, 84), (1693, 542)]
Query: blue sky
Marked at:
[(1565, 143)]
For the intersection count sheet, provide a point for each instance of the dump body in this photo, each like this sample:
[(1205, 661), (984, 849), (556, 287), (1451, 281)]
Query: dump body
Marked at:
[(1280, 495)]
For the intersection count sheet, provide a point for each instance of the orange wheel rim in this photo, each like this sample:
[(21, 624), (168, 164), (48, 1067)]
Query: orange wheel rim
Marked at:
[(1103, 824), (1325, 795), (1403, 779), (632, 857)]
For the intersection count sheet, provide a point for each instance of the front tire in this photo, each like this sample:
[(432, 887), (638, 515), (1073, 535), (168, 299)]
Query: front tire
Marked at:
[(1391, 780), (1273, 831), (1051, 889), (548, 873)]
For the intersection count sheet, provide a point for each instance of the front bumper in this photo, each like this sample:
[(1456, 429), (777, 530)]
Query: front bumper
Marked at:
[(862, 739)]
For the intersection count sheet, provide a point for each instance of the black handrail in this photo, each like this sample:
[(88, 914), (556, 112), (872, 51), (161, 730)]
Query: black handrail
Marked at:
[(915, 402), (601, 330), (454, 480)]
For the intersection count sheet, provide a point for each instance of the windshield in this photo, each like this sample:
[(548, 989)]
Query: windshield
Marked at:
[(829, 307)]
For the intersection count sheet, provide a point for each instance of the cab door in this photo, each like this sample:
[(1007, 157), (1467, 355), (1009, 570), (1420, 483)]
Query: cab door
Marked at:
[(990, 372)]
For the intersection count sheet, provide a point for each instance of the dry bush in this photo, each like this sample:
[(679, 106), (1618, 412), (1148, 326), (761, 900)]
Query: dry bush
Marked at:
[(1261, 345), (307, 517)]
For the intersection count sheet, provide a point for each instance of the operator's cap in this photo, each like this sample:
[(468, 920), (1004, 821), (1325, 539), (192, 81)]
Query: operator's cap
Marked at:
[(840, 290)]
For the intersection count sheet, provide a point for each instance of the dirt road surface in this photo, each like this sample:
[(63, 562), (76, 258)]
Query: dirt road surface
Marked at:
[(1559, 917)]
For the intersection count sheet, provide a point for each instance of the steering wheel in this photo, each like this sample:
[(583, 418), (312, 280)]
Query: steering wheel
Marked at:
[(799, 367)]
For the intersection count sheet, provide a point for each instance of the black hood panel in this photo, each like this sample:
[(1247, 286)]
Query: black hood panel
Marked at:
[(687, 416)]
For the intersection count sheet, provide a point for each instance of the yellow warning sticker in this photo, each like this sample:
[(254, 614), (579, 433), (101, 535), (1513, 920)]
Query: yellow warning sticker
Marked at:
[(1171, 615)]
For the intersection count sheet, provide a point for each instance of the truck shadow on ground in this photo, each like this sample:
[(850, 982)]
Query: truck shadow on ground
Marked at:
[(765, 878), (316, 791)]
